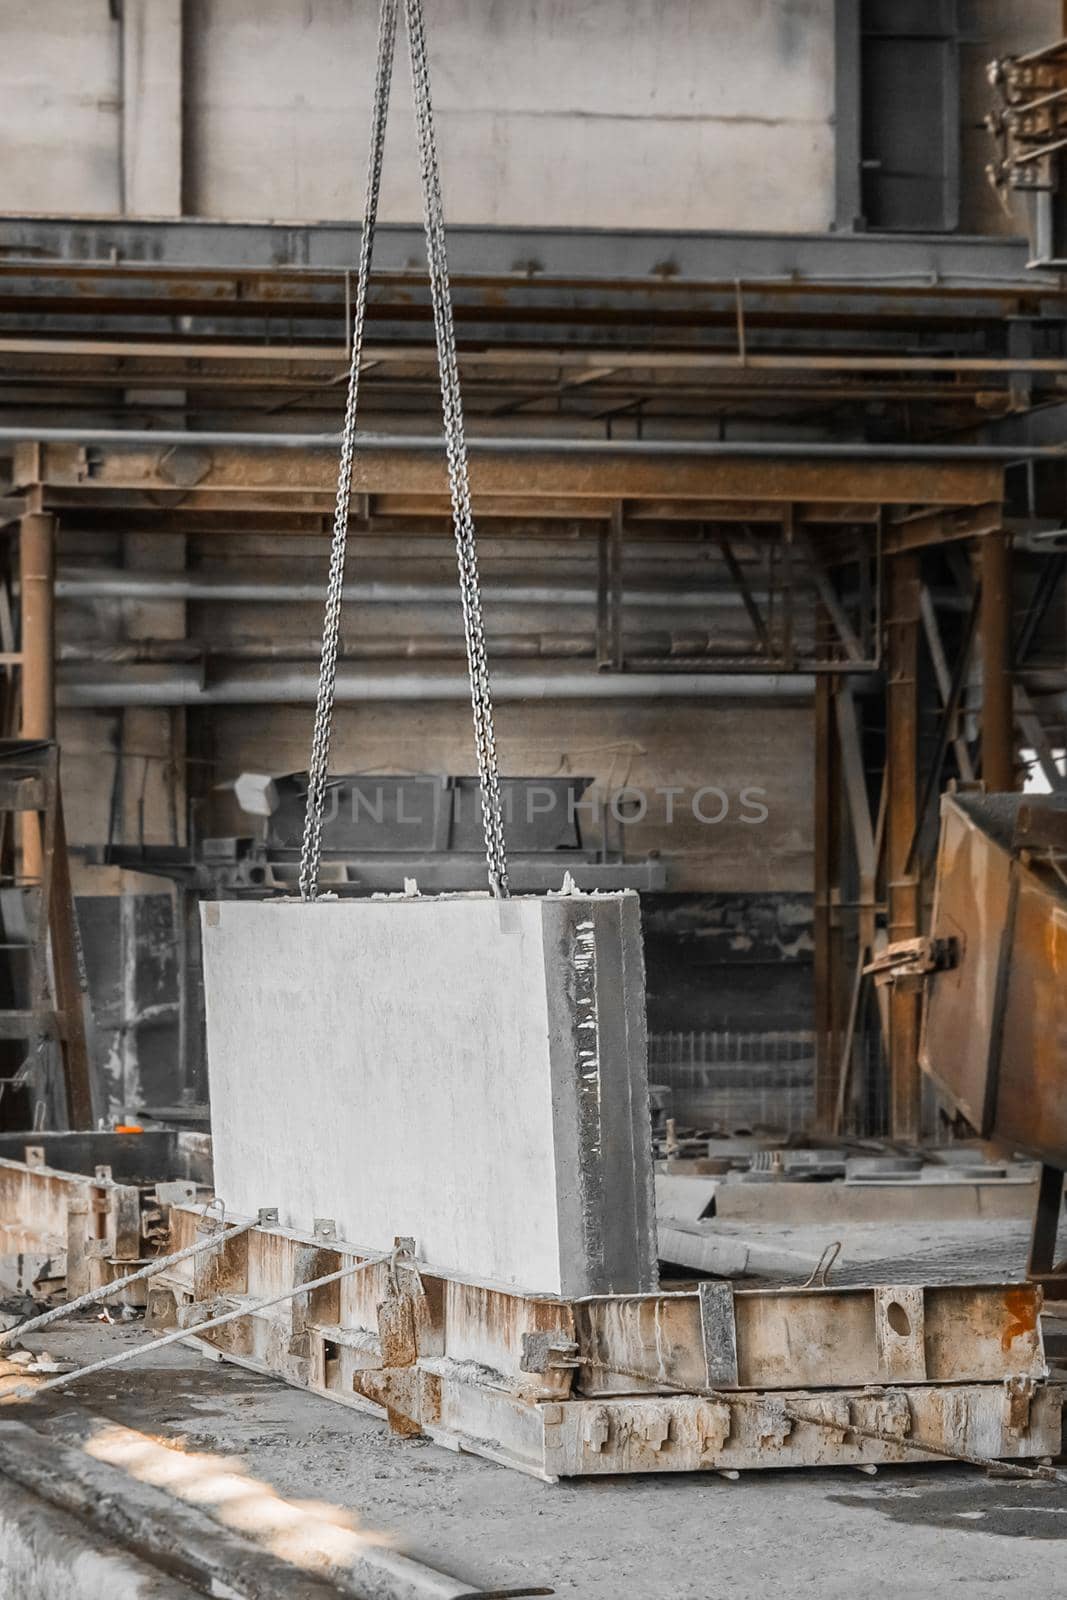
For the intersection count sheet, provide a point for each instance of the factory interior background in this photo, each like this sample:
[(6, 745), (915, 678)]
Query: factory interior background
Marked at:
[(758, 317)]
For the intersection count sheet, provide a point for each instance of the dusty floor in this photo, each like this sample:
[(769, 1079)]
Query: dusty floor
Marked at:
[(930, 1531)]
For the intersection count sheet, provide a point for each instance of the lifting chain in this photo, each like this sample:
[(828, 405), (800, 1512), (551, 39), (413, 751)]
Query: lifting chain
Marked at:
[(456, 451)]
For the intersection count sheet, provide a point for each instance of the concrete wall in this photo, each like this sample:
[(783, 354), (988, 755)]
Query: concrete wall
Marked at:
[(613, 113), (121, 765), (767, 750), (60, 107), (644, 747), (625, 747), (649, 113)]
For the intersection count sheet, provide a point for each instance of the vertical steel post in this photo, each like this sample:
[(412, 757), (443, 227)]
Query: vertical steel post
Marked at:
[(903, 876), (37, 533), (828, 935), (825, 1097), (995, 619), (37, 539)]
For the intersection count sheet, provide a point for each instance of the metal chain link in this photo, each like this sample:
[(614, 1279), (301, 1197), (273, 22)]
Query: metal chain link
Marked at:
[(318, 767), (458, 476), (456, 448)]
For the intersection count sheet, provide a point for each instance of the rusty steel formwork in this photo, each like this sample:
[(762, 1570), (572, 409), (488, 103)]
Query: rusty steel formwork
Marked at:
[(995, 1027), (87, 1229), (709, 1377), (995, 1017)]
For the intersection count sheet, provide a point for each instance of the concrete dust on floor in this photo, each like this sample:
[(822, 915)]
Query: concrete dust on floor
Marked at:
[(1014, 1510), (917, 1530)]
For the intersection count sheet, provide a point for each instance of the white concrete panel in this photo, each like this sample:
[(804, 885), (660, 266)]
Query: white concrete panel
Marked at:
[(469, 1073)]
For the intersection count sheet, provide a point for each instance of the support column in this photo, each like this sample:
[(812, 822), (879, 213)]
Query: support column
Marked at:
[(828, 934), (37, 541), (848, 200), (37, 554), (902, 877), (998, 729), (825, 1085), (152, 108)]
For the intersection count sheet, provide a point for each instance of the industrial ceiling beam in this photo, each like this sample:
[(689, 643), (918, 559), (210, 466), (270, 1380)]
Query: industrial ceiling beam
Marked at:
[(584, 365), (987, 265), (522, 471)]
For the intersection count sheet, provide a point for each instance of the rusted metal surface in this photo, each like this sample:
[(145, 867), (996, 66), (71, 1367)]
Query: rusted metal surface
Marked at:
[(529, 1382), (920, 528), (45, 993), (831, 1337), (146, 358), (902, 873), (36, 556), (1044, 1266), (37, 532), (825, 920), (1031, 1103), (693, 1434), (33, 1207), (1041, 827), (995, 1030), (971, 905), (998, 744), (526, 473), (93, 1228), (532, 336)]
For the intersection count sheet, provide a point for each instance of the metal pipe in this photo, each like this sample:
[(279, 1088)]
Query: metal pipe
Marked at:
[(185, 686), (102, 583), (830, 449), (386, 647), (994, 631)]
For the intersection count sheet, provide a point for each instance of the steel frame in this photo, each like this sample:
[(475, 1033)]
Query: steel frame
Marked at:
[(711, 1378), (610, 332), (92, 1227), (594, 335), (876, 814), (816, 513), (555, 256)]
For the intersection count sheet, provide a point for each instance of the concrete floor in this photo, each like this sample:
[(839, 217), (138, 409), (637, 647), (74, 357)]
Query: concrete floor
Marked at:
[(929, 1531), (928, 1250)]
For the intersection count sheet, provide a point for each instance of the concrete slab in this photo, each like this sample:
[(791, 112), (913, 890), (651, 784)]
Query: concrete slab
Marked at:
[(468, 1072), (688, 1199)]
